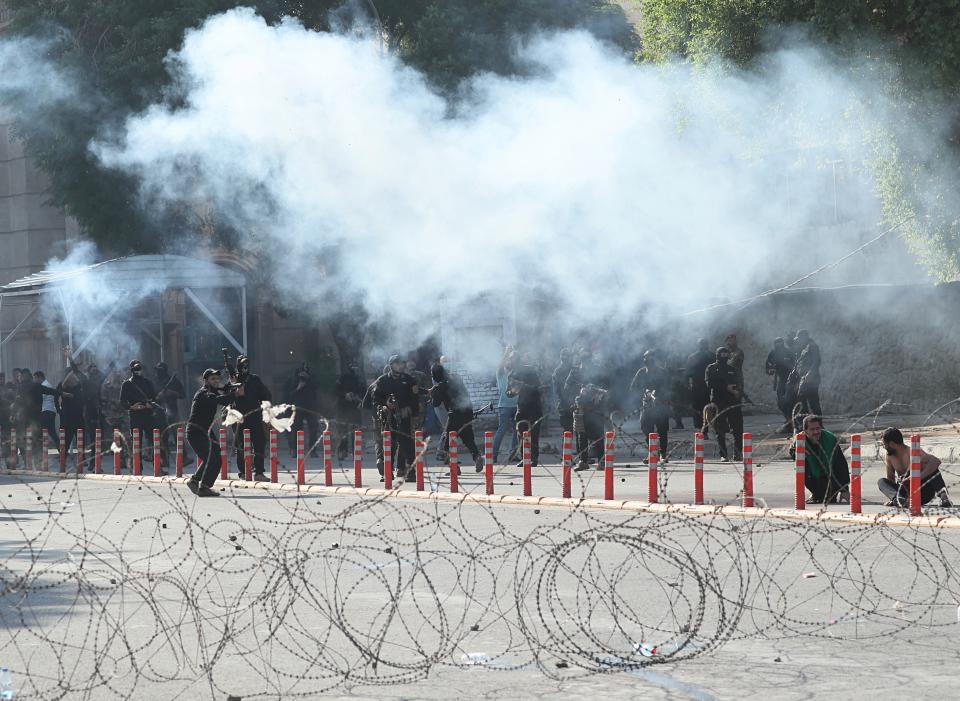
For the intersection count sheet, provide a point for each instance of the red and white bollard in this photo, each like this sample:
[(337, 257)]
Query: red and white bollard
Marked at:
[(274, 456), (178, 465), (915, 506), (567, 458), (800, 494), (357, 459), (488, 461), (698, 468), (856, 482), (301, 459), (135, 440), (224, 457), (63, 450), (117, 456), (747, 470), (419, 447), (156, 452), (653, 459), (97, 452), (327, 459), (247, 455), (81, 456), (28, 450), (527, 465), (608, 466), (387, 460), (454, 463), (44, 457)]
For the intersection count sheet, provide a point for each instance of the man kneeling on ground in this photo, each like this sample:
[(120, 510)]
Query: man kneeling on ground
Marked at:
[(827, 474), (896, 485)]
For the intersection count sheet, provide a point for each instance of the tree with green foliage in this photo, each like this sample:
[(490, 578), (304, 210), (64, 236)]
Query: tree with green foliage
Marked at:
[(918, 39)]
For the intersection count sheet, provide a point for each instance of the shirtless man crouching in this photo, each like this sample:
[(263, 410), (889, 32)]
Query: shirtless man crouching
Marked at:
[(896, 485)]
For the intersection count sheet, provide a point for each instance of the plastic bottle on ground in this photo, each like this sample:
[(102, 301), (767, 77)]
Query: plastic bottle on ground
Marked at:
[(6, 684)]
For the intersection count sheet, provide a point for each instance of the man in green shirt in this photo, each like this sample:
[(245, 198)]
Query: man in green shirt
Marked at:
[(827, 475)]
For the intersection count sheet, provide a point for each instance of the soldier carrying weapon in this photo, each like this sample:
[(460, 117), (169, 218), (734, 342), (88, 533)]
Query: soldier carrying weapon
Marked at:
[(395, 401), (248, 403)]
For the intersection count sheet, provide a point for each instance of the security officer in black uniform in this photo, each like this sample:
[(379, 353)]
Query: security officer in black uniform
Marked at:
[(525, 385), (780, 362), (652, 385), (697, 363), (395, 401), (200, 434), (248, 404), (449, 390), (138, 397), (726, 394)]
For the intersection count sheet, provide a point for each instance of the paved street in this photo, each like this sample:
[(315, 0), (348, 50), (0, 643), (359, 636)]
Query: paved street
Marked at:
[(119, 589), (773, 467)]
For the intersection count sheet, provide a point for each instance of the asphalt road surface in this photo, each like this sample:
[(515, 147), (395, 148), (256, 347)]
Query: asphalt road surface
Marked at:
[(133, 590)]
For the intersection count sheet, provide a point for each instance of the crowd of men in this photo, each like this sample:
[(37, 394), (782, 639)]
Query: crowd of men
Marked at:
[(708, 387)]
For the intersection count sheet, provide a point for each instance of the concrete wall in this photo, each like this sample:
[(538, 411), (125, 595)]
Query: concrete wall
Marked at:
[(899, 344)]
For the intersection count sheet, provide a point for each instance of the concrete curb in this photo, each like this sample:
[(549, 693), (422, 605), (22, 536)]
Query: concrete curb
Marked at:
[(886, 519)]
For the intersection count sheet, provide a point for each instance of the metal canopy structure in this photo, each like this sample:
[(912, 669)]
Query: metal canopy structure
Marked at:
[(131, 274)]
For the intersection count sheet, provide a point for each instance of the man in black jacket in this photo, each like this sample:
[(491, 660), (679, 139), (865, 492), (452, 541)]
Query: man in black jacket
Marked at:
[(138, 397), (71, 408), (651, 385), (525, 386), (395, 400), (697, 363), (780, 362), (449, 390), (721, 378), (248, 404), (93, 416), (807, 374), (200, 434)]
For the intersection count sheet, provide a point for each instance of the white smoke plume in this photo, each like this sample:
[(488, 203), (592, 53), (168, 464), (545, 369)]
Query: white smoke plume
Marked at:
[(622, 190), (103, 314)]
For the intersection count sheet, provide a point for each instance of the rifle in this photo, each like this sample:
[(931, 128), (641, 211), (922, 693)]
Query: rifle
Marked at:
[(483, 410), (387, 416), (231, 371), (146, 400), (164, 389)]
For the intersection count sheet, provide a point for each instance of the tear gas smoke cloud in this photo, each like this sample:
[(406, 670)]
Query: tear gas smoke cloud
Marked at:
[(620, 189), (94, 298)]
